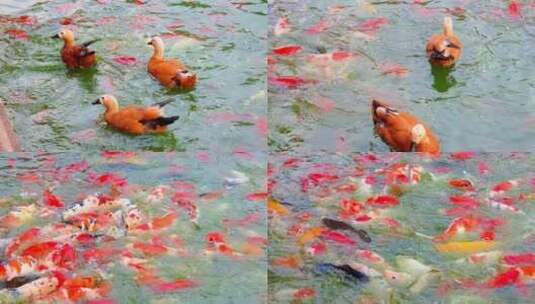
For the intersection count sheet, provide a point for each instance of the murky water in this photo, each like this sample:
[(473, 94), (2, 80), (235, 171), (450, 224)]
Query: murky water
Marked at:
[(214, 189), (490, 89), (406, 224), (51, 107)]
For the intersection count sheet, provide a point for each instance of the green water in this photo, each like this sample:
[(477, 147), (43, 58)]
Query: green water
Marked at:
[(485, 103), (222, 279), (223, 43), (420, 215)]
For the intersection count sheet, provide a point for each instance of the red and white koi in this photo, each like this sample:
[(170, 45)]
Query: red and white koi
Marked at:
[(216, 243), (503, 187), (503, 206), (36, 289), (157, 194), (282, 26)]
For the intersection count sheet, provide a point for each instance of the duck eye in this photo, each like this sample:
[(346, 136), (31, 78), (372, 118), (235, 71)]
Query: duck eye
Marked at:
[(185, 72)]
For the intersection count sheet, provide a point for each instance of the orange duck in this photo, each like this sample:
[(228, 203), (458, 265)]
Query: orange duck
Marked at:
[(171, 73), (135, 120), (402, 131), (445, 49), (76, 56)]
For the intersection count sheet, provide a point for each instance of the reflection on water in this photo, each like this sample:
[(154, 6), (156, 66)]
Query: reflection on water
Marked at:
[(442, 79)]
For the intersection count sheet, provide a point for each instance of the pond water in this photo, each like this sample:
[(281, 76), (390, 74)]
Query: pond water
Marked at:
[(223, 42), (321, 102), (461, 232), (200, 194)]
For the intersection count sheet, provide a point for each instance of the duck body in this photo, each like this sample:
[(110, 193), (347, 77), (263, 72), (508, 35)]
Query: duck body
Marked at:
[(76, 56), (445, 49), (171, 73), (402, 131), (135, 120)]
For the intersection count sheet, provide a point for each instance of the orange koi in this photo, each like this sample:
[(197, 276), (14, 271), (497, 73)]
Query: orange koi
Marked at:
[(466, 247), (461, 184), (310, 235), (158, 223), (150, 249), (276, 208), (173, 286), (292, 261), (459, 225)]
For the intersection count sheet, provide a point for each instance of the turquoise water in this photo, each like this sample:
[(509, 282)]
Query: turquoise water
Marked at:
[(51, 107), (221, 278), (490, 89), (400, 231)]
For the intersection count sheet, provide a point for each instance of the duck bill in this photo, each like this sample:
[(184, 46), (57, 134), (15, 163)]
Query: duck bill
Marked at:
[(55, 36), (96, 102)]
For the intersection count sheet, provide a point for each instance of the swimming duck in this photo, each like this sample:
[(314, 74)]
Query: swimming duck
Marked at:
[(73, 55), (402, 131), (445, 49), (135, 120), (169, 72)]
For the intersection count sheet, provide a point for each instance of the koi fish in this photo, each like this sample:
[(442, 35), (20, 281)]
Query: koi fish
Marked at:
[(35, 289), (94, 204), (504, 207), (217, 244), (292, 262), (503, 187), (458, 226), (370, 257), (282, 26), (275, 207), (383, 201), (310, 235), (509, 277), (337, 237), (287, 50), (519, 259), (345, 269), (461, 184), (339, 225), (466, 247), (157, 223)]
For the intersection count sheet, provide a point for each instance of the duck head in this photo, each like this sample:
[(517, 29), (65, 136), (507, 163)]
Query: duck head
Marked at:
[(158, 46), (66, 35), (445, 50), (109, 101)]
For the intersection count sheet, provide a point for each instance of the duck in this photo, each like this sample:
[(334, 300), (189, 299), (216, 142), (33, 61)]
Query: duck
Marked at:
[(135, 120), (445, 49), (171, 73), (73, 55), (402, 131)]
